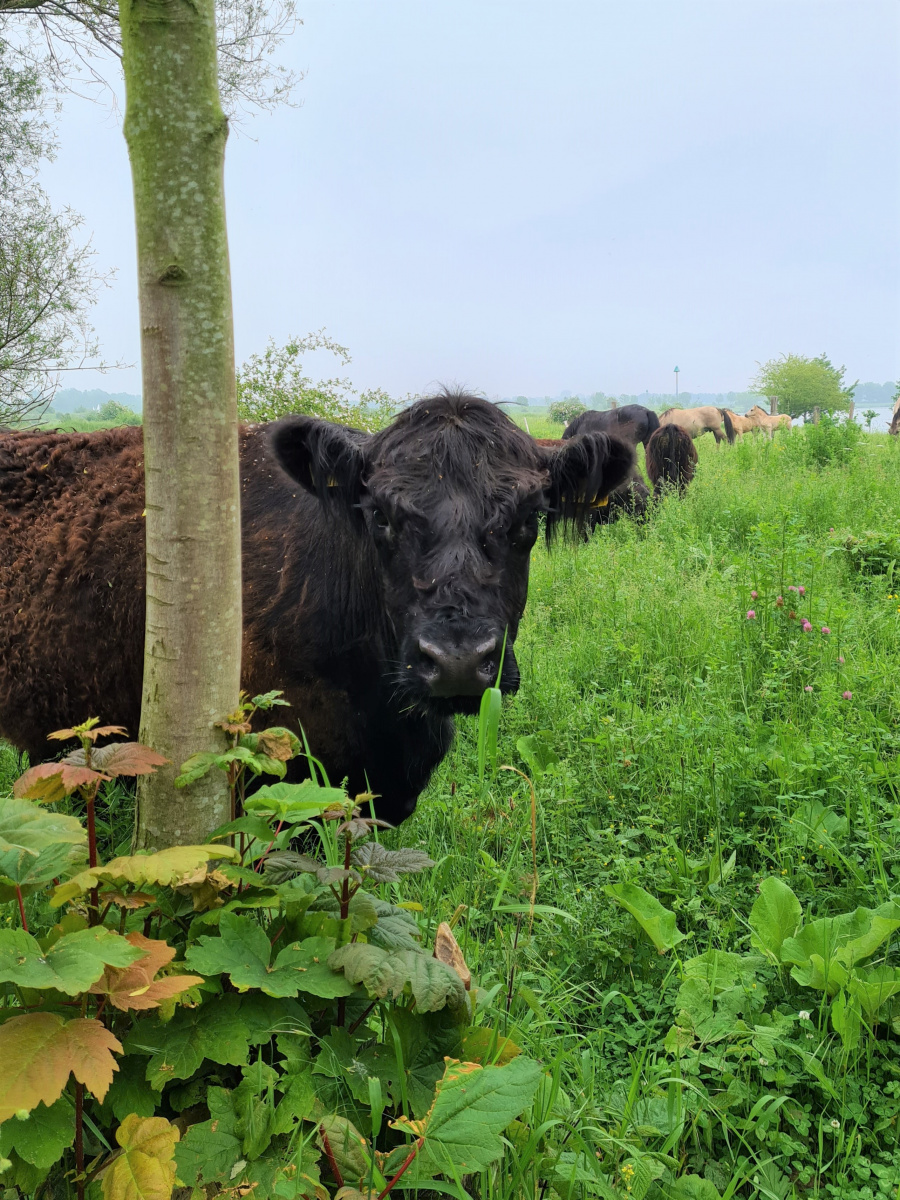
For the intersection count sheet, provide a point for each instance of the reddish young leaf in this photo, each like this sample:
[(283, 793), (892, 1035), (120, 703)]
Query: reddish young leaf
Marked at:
[(127, 758), (66, 735), (50, 782), (134, 987)]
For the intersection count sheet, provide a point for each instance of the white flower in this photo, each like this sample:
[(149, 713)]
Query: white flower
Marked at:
[(835, 1123), (803, 1014), (763, 1062)]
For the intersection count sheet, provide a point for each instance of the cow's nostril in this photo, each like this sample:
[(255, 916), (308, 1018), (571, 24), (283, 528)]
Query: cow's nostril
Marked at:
[(458, 670)]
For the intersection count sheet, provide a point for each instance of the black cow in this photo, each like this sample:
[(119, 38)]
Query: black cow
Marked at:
[(632, 422), (381, 573)]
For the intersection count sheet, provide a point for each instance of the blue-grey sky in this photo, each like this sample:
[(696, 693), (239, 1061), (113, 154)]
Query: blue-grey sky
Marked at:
[(544, 194)]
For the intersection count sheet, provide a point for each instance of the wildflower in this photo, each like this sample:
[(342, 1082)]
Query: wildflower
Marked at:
[(791, 588), (841, 659), (763, 1062), (835, 1123), (831, 530), (808, 688), (751, 615), (802, 591), (847, 696), (792, 614), (806, 626), (779, 603), (755, 596), (804, 1014), (826, 630)]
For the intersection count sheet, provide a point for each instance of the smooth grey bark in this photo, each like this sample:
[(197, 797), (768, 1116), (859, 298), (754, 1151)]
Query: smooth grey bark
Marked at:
[(176, 133)]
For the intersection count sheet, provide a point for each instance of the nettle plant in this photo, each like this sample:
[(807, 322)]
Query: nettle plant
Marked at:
[(237, 1016)]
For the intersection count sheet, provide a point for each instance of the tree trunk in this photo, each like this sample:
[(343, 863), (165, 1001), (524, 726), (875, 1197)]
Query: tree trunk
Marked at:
[(176, 132)]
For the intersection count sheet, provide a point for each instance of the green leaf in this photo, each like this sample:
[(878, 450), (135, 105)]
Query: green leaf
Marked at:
[(130, 1092), (145, 1169), (386, 866), (210, 1150), (395, 928), (254, 827), (692, 1187), (292, 803), (538, 754), (384, 972), (472, 1107), (348, 1147), (775, 915), (195, 768), (36, 845), (71, 965), (825, 951), (874, 987), (242, 951), (488, 726), (846, 1019), (165, 867), (44, 1137), (657, 922)]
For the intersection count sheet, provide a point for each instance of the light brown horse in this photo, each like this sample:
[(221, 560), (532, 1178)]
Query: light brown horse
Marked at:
[(741, 424), (697, 421), (769, 421), (895, 419)]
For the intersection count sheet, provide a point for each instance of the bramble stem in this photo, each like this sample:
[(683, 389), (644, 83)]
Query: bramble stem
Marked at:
[(329, 1154), (412, 1154), (21, 907), (79, 1140)]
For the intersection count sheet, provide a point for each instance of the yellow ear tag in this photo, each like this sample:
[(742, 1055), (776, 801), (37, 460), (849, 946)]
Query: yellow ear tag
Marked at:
[(332, 482)]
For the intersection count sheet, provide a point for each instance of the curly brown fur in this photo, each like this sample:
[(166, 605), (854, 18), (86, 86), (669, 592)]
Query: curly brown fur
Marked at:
[(671, 458)]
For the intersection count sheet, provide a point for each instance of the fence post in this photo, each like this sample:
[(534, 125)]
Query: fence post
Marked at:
[(773, 405), (613, 404), (852, 408)]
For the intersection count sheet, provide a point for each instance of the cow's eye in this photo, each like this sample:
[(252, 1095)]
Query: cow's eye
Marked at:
[(380, 523), (523, 534)]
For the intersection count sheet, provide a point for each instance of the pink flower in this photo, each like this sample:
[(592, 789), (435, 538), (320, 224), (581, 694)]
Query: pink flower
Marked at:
[(806, 627), (791, 588), (841, 658), (831, 530), (754, 595), (826, 630), (847, 696), (808, 688), (751, 615), (802, 591), (779, 603)]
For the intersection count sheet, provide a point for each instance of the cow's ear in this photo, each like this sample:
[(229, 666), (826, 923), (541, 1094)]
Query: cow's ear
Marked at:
[(583, 472), (328, 460)]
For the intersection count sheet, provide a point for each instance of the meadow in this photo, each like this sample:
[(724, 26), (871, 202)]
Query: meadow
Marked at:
[(681, 740), (677, 743)]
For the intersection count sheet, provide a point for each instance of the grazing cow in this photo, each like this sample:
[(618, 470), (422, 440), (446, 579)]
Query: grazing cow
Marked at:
[(697, 421), (769, 421), (671, 459), (631, 497), (381, 573), (633, 423)]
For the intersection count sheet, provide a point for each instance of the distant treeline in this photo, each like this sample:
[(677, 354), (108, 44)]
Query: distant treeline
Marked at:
[(878, 395), (71, 400)]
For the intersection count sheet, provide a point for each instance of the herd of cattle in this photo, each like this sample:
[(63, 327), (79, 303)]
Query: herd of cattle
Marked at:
[(383, 574)]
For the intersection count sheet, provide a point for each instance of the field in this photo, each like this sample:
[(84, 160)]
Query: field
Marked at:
[(687, 736), (694, 752)]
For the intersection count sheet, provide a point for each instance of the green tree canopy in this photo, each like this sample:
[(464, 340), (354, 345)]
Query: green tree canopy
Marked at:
[(803, 384), (564, 411)]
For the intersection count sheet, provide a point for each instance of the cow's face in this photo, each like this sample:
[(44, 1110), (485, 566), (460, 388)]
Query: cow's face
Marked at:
[(450, 496)]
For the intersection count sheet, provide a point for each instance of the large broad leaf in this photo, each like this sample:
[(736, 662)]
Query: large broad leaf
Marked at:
[(775, 915), (386, 866), (166, 867), (43, 1138), (40, 1050), (826, 951), (472, 1106), (657, 922), (210, 1151), (35, 845), (817, 828), (291, 803), (145, 1170), (136, 986), (51, 782), (874, 987), (72, 963), (389, 973), (121, 758)]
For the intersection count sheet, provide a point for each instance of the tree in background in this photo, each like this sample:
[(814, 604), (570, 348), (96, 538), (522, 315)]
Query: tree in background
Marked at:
[(803, 384), (273, 384), (564, 411), (48, 281)]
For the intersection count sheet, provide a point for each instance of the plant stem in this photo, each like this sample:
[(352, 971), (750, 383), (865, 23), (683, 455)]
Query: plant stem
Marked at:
[(21, 907), (329, 1154), (412, 1154), (79, 1140)]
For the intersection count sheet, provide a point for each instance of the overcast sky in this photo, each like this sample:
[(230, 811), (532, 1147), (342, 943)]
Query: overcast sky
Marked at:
[(567, 194)]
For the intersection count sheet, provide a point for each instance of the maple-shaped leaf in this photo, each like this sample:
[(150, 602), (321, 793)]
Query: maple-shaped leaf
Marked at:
[(120, 758), (87, 730), (35, 845), (145, 1170), (433, 984), (71, 965), (136, 986), (164, 867), (50, 782), (210, 1150), (242, 951), (386, 866), (43, 1137), (40, 1050), (472, 1106)]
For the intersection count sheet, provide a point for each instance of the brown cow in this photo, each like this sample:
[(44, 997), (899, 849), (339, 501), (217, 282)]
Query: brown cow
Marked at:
[(380, 574)]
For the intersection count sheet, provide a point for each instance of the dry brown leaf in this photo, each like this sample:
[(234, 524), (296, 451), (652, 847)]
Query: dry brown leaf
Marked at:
[(446, 950)]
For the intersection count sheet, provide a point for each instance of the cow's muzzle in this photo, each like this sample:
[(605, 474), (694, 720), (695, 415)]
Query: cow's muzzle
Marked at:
[(458, 670)]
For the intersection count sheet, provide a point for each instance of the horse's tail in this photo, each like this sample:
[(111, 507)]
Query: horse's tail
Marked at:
[(652, 425), (671, 458), (727, 422)]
